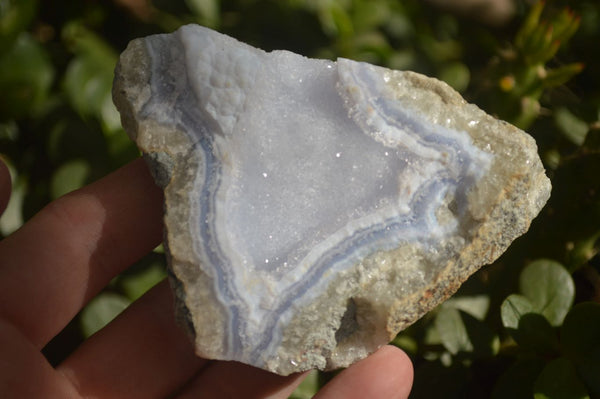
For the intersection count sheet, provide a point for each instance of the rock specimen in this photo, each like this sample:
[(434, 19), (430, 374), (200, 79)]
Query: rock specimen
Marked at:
[(313, 208)]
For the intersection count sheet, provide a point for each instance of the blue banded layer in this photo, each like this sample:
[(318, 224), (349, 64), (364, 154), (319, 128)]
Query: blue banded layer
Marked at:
[(419, 167)]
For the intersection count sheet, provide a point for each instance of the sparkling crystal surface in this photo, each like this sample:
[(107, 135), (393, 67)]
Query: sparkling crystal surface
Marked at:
[(315, 208)]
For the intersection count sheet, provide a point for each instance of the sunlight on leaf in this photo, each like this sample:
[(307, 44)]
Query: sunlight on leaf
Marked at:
[(308, 388), (100, 311), (549, 287), (513, 308), (69, 177)]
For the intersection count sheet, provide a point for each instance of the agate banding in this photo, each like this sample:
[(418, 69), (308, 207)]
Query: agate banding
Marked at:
[(313, 209)]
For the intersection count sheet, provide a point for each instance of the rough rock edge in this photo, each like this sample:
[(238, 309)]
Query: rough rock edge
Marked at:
[(131, 91), (508, 215), (509, 219)]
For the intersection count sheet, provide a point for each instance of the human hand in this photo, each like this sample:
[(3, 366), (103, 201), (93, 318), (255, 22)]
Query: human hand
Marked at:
[(66, 254)]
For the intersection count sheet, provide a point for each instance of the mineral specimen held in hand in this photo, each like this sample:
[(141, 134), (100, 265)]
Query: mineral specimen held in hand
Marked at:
[(313, 208)]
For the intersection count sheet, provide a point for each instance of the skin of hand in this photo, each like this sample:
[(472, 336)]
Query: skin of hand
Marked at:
[(60, 259)]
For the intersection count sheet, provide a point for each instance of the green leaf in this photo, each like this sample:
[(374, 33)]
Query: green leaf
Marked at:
[(517, 381), (559, 76), (513, 308), (369, 15), (548, 292), (461, 332), (26, 75), (580, 339), (407, 343), (69, 177), (87, 84), (456, 74), (529, 111), (530, 25), (543, 51), (559, 380), (88, 78), (565, 25), (72, 138), (475, 305), (335, 20), (452, 330), (573, 128), (15, 16), (100, 311), (536, 334), (308, 388), (529, 329), (206, 10), (136, 285), (549, 287)]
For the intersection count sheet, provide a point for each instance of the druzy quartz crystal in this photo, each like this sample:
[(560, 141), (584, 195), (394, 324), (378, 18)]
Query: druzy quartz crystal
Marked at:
[(314, 208)]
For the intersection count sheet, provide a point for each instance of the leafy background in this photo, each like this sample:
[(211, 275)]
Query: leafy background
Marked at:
[(527, 326)]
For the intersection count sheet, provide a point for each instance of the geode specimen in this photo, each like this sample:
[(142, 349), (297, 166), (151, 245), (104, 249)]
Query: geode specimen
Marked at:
[(313, 208)]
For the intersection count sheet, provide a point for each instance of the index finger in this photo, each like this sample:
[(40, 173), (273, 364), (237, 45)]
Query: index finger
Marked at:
[(71, 249)]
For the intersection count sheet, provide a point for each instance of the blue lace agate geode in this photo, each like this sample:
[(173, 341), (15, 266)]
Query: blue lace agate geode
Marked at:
[(315, 208)]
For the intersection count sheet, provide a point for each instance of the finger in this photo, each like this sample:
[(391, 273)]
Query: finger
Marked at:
[(72, 248), (5, 186), (25, 372), (141, 354), (386, 374), (237, 380)]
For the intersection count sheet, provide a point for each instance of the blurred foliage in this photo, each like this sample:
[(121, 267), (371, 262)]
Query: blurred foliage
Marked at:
[(521, 69), (528, 326)]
